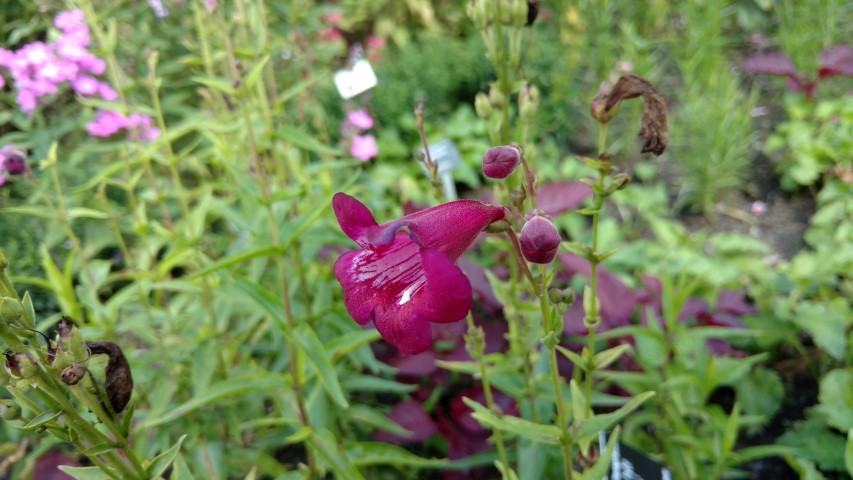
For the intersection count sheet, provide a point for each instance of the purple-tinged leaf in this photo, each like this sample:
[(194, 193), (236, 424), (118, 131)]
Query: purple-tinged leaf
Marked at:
[(411, 416), (837, 60), (560, 197), (776, 63)]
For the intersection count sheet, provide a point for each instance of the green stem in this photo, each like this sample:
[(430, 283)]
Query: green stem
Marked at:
[(487, 390), (565, 438), (521, 262), (502, 67), (593, 318)]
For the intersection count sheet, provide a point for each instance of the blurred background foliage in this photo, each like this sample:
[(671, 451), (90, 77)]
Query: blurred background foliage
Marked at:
[(182, 249)]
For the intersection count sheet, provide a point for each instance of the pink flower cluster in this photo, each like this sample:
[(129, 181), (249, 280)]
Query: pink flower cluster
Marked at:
[(362, 147), (38, 69), (108, 123)]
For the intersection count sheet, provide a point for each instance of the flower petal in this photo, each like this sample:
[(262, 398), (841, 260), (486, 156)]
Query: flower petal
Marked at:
[(452, 227), (401, 326), (447, 294), (359, 301), (354, 218)]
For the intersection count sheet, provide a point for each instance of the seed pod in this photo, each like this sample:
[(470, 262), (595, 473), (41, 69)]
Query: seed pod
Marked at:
[(119, 383), (9, 410), (73, 374)]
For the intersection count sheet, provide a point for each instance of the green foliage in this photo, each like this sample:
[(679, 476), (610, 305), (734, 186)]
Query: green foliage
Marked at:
[(815, 142)]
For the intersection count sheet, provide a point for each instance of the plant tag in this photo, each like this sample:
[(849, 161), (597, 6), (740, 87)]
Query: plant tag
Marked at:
[(630, 464), (355, 81), (445, 155)]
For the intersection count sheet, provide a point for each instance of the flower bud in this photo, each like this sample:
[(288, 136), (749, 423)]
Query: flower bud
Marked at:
[(9, 410), (14, 161), (70, 345), (599, 111), (528, 102), (496, 98), (500, 162), (519, 13), (539, 239), (482, 106), (21, 365), (10, 309)]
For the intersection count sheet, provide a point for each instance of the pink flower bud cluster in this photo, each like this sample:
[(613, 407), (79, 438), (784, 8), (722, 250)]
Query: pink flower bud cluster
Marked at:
[(108, 123), (13, 161), (38, 69), (362, 147)]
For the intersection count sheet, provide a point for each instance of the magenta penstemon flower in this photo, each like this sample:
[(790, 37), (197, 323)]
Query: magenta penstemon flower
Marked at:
[(402, 280)]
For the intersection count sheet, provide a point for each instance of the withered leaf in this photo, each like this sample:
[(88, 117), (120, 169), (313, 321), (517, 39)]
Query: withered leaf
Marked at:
[(119, 383), (654, 128)]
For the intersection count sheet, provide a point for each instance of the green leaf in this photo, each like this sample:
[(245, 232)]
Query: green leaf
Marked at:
[(604, 359), (227, 388), (161, 462), (836, 399), (81, 212), (368, 383), (762, 393), (344, 344), (517, 426), (38, 421), (33, 210), (319, 358), (605, 421), (573, 357), (86, 473), (216, 84), (99, 449), (325, 445), (366, 454), (375, 419), (748, 454), (825, 324), (299, 138), (848, 453), (255, 73), (241, 257)]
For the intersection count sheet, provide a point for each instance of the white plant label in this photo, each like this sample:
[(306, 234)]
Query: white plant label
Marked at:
[(359, 79)]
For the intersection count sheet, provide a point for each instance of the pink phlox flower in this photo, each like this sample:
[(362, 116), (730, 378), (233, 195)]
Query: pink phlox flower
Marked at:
[(364, 147), (360, 119), (85, 85), (70, 20), (107, 123), (106, 92), (403, 281)]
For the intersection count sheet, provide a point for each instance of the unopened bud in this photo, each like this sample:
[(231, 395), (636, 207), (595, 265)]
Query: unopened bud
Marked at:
[(10, 309), (517, 198), (528, 102), (519, 13), (9, 410), (482, 106), (500, 162), (13, 160), (539, 239), (620, 181), (599, 111), (71, 349), (21, 365), (496, 98)]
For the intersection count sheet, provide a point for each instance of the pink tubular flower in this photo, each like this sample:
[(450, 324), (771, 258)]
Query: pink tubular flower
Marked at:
[(403, 281), (364, 147), (360, 119)]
